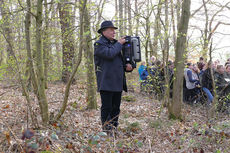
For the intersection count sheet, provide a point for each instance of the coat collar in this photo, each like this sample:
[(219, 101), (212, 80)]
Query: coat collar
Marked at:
[(106, 40)]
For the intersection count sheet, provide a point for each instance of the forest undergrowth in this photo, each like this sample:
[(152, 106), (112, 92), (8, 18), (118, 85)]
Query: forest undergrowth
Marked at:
[(144, 125)]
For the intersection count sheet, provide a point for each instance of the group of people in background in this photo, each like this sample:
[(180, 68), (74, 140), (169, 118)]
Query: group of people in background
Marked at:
[(199, 79), (153, 77)]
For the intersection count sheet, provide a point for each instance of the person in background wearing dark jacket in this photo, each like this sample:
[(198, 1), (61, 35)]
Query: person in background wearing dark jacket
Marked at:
[(227, 72), (206, 81), (223, 87), (110, 74), (201, 63)]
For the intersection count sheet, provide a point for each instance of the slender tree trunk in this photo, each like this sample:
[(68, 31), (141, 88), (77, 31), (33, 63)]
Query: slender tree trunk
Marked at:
[(147, 40), (46, 44), (6, 19), (130, 18), (116, 13), (30, 72), (125, 16), (39, 63), (137, 18), (157, 29), (176, 104), (121, 20), (30, 65), (178, 12), (148, 27), (1, 57), (88, 49), (205, 35), (57, 58), (173, 24), (166, 55), (211, 112), (65, 12)]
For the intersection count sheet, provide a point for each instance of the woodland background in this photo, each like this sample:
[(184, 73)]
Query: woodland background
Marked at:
[(48, 91)]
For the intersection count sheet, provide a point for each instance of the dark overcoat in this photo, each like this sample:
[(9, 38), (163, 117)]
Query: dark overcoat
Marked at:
[(109, 65)]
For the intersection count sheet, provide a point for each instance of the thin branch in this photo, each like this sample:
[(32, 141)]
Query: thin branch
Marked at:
[(26, 9), (14, 136), (197, 10)]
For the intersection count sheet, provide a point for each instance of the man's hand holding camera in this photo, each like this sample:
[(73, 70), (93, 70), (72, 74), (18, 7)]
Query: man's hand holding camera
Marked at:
[(129, 67), (121, 40)]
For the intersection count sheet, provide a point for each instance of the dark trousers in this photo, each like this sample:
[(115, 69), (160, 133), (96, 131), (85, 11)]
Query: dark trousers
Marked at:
[(110, 109), (193, 94)]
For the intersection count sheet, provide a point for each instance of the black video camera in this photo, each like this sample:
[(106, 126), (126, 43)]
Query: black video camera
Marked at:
[(131, 50)]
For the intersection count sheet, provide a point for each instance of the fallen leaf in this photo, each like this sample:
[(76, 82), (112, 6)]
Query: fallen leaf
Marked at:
[(6, 107)]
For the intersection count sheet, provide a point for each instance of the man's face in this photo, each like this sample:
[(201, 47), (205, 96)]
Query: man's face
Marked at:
[(109, 33), (171, 66), (221, 70)]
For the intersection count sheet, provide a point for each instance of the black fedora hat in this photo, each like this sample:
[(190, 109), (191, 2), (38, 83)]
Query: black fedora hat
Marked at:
[(106, 24)]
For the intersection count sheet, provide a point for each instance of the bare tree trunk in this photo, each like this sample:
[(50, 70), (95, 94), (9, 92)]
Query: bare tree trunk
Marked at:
[(57, 54), (173, 24), (6, 19), (176, 104), (46, 44), (205, 35), (166, 55), (157, 29), (88, 49), (65, 12), (130, 18), (147, 40), (125, 16), (178, 12), (30, 66), (148, 28), (211, 112), (137, 17), (121, 20), (1, 57), (116, 13), (39, 63)]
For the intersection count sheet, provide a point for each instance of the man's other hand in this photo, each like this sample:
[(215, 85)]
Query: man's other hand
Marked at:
[(122, 40), (129, 67)]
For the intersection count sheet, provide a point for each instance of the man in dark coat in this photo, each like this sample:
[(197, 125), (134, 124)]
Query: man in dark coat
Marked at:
[(223, 87), (110, 73)]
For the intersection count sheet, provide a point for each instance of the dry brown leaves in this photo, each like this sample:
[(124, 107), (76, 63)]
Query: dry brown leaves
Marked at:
[(78, 128)]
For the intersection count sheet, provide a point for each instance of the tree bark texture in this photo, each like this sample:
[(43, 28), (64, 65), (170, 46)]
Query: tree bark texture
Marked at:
[(88, 49), (6, 18), (65, 12), (157, 29), (39, 63), (176, 104)]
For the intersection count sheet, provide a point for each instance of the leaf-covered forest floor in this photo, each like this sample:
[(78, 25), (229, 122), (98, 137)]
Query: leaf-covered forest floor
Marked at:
[(144, 125)]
